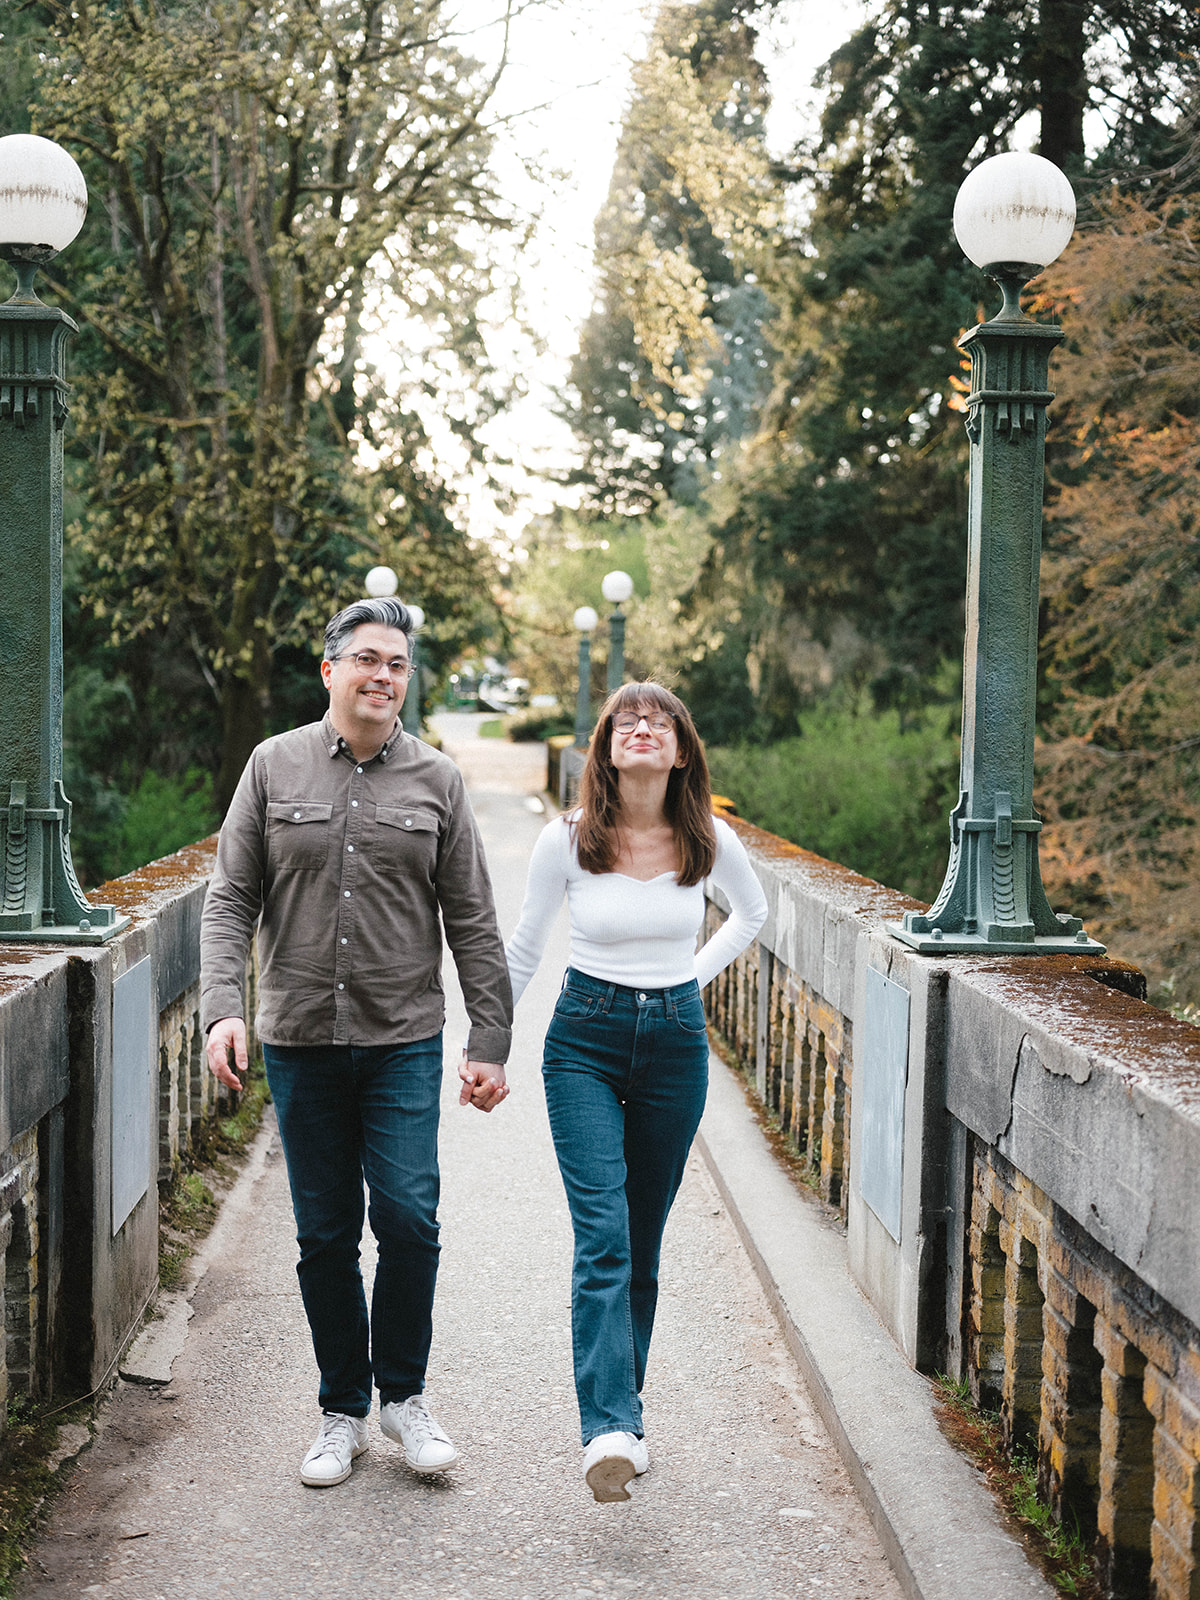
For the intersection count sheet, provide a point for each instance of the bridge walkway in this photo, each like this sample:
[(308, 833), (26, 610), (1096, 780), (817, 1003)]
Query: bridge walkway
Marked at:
[(191, 1491)]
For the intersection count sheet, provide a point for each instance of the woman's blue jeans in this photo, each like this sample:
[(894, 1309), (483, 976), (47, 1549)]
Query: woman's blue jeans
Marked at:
[(626, 1075), (348, 1113)]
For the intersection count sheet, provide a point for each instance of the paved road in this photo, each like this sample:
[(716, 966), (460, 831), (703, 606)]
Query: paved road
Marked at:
[(192, 1491)]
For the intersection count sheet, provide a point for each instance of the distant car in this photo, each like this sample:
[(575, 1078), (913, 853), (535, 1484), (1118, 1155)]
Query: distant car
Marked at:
[(501, 694)]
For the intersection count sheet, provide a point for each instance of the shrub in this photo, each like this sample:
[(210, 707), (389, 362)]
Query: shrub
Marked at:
[(163, 814), (541, 723), (855, 789)]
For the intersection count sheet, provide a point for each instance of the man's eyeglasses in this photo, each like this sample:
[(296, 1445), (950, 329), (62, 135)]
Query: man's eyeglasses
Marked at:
[(656, 721), (368, 663)]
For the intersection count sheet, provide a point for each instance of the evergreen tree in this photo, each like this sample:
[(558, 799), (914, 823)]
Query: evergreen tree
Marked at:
[(850, 512), (672, 362)]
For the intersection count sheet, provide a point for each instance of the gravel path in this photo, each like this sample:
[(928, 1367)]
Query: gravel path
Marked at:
[(192, 1491)]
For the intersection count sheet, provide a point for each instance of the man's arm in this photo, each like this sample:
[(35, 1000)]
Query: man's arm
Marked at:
[(464, 892), (231, 908)]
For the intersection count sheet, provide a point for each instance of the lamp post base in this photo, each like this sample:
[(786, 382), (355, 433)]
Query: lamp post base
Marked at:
[(934, 942), (96, 931)]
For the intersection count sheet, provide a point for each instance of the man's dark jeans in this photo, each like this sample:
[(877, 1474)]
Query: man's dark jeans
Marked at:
[(348, 1113)]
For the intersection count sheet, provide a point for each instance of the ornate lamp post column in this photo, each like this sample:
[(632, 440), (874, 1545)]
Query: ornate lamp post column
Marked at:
[(381, 583), (585, 619), (616, 587), (43, 202), (1014, 215), (411, 710)]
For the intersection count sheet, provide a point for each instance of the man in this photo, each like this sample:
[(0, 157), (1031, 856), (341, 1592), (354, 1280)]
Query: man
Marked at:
[(344, 841)]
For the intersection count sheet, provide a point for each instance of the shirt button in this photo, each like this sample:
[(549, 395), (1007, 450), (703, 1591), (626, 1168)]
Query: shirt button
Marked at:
[(354, 802), (358, 769), (345, 941), (408, 822), (346, 892), (350, 848), (296, 814), (341, 985)]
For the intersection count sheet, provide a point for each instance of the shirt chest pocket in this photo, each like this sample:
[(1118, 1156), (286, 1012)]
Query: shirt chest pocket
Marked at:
[(406, 839), (298, 835)]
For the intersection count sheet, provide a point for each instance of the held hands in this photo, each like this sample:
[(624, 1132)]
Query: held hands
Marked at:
[(483, 1084), (224, 1036)]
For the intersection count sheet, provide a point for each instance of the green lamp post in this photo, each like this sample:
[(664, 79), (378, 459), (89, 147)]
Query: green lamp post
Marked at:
[(43, 202), (1014, 215), (381, 583), (585, 619), (617, 588), (411, 710)]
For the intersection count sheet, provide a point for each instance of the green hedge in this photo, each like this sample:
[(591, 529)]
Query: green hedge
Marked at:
[(858, 788)]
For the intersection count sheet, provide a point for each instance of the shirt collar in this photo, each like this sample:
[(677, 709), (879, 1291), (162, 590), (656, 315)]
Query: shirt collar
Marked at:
[(337, 746)]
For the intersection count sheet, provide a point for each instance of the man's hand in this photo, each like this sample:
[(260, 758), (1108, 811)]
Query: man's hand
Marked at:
[(224, 1036), (483, 1084)]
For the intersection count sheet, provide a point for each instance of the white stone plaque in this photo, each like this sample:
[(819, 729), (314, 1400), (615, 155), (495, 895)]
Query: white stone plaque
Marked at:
[(881, 1073), (134, 1040)]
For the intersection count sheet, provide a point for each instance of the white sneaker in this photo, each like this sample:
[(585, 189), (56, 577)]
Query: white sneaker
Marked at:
[(341, 1439), (610, 1460), (427, 1446)]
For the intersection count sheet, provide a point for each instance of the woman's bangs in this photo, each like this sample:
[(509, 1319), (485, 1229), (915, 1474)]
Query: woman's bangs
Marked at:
[(645, 697)]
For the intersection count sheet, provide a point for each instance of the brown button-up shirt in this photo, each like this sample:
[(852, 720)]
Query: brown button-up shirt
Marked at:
[(345, 866)]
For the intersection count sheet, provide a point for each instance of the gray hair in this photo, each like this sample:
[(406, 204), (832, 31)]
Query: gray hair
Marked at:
[(387, 613)]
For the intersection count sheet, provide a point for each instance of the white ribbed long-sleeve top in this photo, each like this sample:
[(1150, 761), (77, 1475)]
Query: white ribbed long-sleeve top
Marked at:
[(641, 933)]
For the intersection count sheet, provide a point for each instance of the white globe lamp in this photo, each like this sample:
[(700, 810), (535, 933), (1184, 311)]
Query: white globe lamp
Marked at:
[(381, 583), (1013, 216), (616, 587), (43, 204)]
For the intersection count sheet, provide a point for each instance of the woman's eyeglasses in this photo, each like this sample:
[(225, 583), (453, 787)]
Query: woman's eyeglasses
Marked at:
[(656, 721)]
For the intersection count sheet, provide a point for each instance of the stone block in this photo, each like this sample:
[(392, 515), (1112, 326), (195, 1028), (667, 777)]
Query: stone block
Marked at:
[(34, 1061), (1176, 1467), (1172, 1572), (1176, 1519), (1178, 1416), (1056, 1331)]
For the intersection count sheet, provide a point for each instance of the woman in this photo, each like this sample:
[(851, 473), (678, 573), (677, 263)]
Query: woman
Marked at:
[(626, 1055)]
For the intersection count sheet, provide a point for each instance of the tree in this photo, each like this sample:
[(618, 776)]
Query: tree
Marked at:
[(1119, 767), (673, 361), (848, 512), (265, 177)]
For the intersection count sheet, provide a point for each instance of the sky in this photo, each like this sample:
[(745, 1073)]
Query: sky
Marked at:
[(565, 91)]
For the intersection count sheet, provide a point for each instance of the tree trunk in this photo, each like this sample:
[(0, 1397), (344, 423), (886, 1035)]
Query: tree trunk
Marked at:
[(244, 725), (1062, 80)]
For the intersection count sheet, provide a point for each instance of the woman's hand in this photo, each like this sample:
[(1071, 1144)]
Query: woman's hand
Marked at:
[(483, 1084)]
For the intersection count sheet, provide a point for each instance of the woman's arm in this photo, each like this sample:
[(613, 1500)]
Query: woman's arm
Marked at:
[(544, 890), (734, 876)]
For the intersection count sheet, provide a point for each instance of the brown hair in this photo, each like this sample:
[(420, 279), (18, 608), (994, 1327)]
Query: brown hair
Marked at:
[(688, 803)]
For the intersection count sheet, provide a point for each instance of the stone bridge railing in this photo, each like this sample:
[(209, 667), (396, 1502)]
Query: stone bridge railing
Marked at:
[(102, 1091), (1014, 1144)]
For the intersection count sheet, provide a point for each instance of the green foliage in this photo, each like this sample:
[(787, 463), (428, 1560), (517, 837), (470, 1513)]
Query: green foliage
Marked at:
[(1119, 762), (674, 360), (163, 814), (565, 559), (260, 182), (855, 788), (533, 726), (1012, 1476), (25, 1478)]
